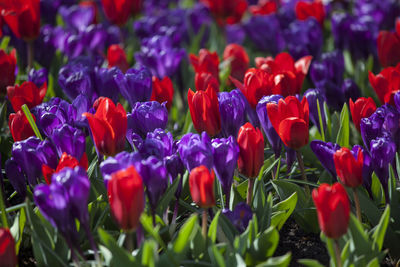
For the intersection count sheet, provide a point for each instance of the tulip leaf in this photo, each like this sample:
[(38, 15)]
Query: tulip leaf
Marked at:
[(283, 210), (343, 136), (4, 42), (168, 195), (265, 245), (310, 263), (120, 257), (147, 223), (321, 123), (185, 234), (212, 231), (216, 257), (380, 230), (149, 253), (17, 228), (377, 190), (280, 261)]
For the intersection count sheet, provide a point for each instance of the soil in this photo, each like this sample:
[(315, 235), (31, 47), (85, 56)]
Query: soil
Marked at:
[(303, 245)]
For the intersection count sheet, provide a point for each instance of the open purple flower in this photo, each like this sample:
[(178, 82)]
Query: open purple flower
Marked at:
[(196, 150), (70, 140)]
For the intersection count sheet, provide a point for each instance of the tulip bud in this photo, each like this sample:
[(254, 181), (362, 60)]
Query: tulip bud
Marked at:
[(117, 11), (305, 10), (204, 109), (7, 70), (163, 91), (201, 184), (389, 47), (28, 93), (226, 12), (206, 62), (362, 108), (251, 155), (116, 57), (386, 84), (126, 197), (239, 60), (349, 166), (19, 126), (290, 119), (7, 249), (333, 209), (108, 126)]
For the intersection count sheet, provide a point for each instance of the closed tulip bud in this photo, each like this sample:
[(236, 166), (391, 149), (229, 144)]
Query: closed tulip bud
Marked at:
[(305, 10), (8, 257), (204, 109), (19, 126), (23, 18), (65, 161), (333, 209), (27, 93), (386, 84), (290, 119), (7, 70), (204, 79), (349, 166), (238, 60), (117, 11), (362, 108), (108, 126), (206, 61), (163, 91), (116, 57), (389, 47), (201, 184), (256, 85), (226, 12), (126, 197), (251, 154)]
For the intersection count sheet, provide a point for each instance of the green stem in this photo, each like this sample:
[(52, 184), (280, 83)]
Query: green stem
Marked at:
[(303, 173), (129, 241), (357, 203), (321, 123), (250, 190), (204, 223), (30, 51), (337, 254), (3, 210), (31, 121)]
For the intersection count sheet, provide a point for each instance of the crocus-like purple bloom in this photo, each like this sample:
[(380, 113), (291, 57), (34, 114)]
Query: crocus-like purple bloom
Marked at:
[(240, 216), (232, 107), (119, 162), (272, 135), (155, 178), (70, 140), (272, 42), (235, 34), (324, 152), (225, 154), (76, 17), (304, 38), (135, 85), (384, 13), (314, 95), (158, 54), (196, 150), (329, 68), (146, 117), (38, 77), (165, 139), (351, 90), (106, 84)]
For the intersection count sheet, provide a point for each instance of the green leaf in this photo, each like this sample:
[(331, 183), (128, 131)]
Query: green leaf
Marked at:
[(377, 190), (149, 253), (167, 197), (284, 209), (343, 137), (185, 234), (281, 261), (17, 228), (359, 238), (147, 223), (216, 257), (310, 263), (265, 245), (379, 234), (321, 123), (4, 42), (120, 257), (212, 231)]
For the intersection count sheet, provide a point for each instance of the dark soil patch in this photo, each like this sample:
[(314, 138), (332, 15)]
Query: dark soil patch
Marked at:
[(26, 258), (303, 245)]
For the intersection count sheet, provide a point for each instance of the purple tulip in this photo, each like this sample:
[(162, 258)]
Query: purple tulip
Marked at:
[(196, 150), (324, 152), (135, 85), (146, 117), (232, 107), (240, 216)]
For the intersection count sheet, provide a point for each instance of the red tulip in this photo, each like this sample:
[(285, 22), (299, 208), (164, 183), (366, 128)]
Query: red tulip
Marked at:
[(204, 109), (389, 47), (238, 60), (333, 209), (117, 11), (204, 79), (305, 10), (116, 58), (201, 184), (226, 11), (163, 91), (290, 120), (285, 75), (251, 155), (19, 126), (7, 70), (264, 7), (206, 62), (362, 108), (23, 17), (8, 258), (349, 166), (126, 197), (65, 161), (386, 84), (27, 93), (108, 125)]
